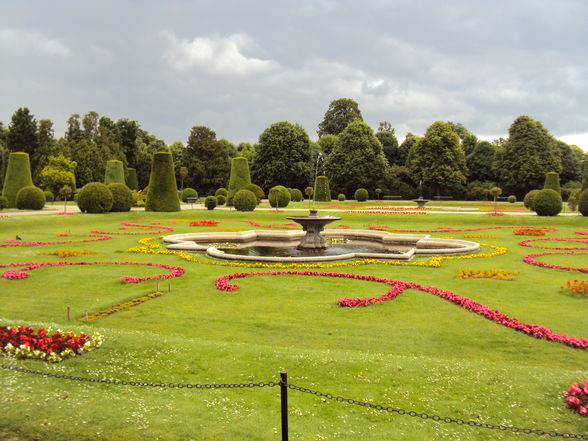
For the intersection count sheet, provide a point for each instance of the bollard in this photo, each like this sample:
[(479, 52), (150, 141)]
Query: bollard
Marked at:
[(284, 402), (68, 314)]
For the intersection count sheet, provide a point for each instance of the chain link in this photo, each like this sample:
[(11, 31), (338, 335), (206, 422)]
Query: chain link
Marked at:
[(434, 417), (142, 383)]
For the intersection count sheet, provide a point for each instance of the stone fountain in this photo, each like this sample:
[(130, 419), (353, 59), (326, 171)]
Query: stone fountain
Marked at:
[(313, 224)]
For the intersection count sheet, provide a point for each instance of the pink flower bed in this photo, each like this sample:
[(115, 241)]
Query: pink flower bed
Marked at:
[(150, 224), (176, 271), (527, 243), (533, 330), (24, 243), (530, 259), (452, 230), (577, 397)]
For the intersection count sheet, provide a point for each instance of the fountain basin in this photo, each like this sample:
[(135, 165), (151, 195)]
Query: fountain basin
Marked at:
[(397, 246)]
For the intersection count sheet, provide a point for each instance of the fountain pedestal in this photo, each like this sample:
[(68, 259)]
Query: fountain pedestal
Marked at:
[(313, 224)]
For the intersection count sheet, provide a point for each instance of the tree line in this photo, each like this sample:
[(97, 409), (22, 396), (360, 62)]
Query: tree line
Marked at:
[(447, 159)]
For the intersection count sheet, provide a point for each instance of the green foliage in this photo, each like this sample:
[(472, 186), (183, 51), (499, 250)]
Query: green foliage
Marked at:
[(122, 197), (58, 172), (257, 191), (30, 198), (207, 160), (583, 202), (572, 157), (358, 161), (322, 191), (390, 147), (296, 195), (239, 178), (210, 202), (222, 191), (309, 191), (114, 172), (527, 156), (221, 199), (340, 113), (548, 202), (468, 140), (512, 199), (3, 202), (94, 197), (279, 196), (138, 198), (361, 195), (22, 132), (438, 159), (574, 199), (529, 200), (282, 156), (478, 190), (49, 196), (246, 150), (552, 181), (480, 162), (585, 175), (163, 191), (132, 181), (341, 197), (46, 147), (244, 200), (18, 175), (495, 192), (327, 143), (188, 192)]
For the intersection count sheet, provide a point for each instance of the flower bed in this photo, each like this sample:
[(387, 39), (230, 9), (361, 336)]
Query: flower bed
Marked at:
[(47, 345), (527, 243), (63, 253), (204, 223), (576, 287), (529, 232), (385, 212), (533, 330), (24, 243), (577, 397), (485, 274), (121, 306), (530, 259)]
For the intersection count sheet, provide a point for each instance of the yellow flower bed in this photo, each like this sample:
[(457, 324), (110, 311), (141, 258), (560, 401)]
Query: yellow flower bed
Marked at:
[(66, 252), (481, 236), (485, 274), (121, 306)]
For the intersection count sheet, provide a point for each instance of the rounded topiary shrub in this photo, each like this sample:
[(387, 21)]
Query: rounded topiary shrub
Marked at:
[(18, 175), (322, 190), (210, 202), (341, 197), (244, 200), (296, 195), (361, 195), (163, 191), (548, 202), (115, 172), (279, 196), (188, 193), (512, 199), (583, 203), (122, 197), (132, 180), (552, 182), (94, 197), (221, 191), (221, 200), (30, 198), (49, 196), (3, 202), (529, 199), (257, 191)]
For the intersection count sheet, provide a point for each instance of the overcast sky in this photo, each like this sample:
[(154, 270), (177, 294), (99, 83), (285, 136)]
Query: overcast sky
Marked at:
[(239, 66)]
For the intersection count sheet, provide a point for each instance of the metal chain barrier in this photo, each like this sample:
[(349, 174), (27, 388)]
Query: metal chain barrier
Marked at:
[(142, 383), (438, 418)]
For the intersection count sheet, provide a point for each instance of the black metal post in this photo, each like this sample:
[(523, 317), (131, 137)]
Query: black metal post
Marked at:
[(284, 401)]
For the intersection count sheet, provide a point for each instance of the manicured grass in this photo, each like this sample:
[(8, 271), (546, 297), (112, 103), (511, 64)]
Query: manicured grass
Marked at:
[(418, 352)]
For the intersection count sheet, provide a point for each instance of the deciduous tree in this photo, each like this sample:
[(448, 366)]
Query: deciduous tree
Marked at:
[(207, 161), (341, 112)]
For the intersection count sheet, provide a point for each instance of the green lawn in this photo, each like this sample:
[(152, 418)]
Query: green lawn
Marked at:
[(418, 352)]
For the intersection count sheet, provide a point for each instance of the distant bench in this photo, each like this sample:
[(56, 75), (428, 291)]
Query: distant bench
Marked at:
[(501, 199), (393, 197), (442, 198), (191, 200)]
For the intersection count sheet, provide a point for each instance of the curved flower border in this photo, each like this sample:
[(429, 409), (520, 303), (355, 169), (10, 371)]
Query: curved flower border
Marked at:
[(530, 259), (532, 330), (526, 243)]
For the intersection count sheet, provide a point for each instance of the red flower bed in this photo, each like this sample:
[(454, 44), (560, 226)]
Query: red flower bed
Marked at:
[(530, 259), (27, 342), (398, 287), (529, 232), (577, 397), (450, 229), (576, 287), (204, 223), (527, 243), (24, 243)]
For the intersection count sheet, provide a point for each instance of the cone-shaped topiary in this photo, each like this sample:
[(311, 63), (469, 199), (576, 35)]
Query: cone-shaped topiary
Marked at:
[(322, 192), (583, 203), (210, 202), (30, 198), (18, 175), (239, 177), (163, 191), (115, 172), (552, 181), (548, 202), (529, 200), (94, 197), (279, 196), (132, 181), (244, 200), (296, 195), (122, 198), (361, 195), (188, 192), (257, 191)]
